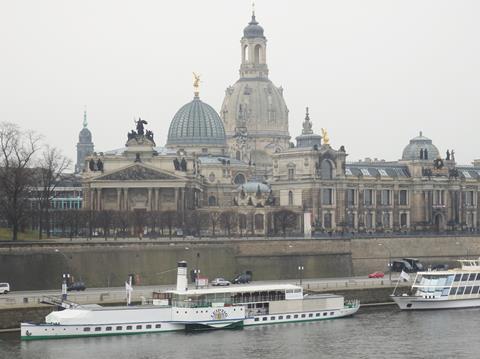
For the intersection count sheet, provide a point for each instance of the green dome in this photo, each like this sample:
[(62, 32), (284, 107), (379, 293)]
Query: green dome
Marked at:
[(196, 124)]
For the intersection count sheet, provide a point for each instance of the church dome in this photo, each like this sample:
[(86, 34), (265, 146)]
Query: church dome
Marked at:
[(196, 124), (253, 30), (420, 147)]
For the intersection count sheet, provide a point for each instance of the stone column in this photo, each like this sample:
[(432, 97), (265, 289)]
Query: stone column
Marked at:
[(125, 199), (176, 198), (119, 194), (150, 207), (157, 207), (92, 197), (99, 199)]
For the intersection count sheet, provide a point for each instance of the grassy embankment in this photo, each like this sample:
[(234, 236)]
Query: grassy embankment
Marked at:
[(6, 235)]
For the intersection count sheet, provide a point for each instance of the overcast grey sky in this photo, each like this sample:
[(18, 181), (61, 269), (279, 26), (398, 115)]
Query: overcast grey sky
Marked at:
[(373, 72)]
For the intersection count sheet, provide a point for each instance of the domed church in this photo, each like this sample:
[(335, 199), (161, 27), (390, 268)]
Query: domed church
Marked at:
[(254, 111)]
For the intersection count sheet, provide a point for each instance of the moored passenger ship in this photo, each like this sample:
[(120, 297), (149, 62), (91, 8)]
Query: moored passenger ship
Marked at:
[(193, 309), (450, 289)]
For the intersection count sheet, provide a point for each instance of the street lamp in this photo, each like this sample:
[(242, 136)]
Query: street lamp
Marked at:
[(389, 261), (65, 276), (301, 269)]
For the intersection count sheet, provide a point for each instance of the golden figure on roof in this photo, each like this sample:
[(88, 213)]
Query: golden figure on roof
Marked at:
[(196, 83), (326, 140)]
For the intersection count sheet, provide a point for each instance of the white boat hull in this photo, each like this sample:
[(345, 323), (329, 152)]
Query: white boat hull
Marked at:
[(418, 303), (57, 331)]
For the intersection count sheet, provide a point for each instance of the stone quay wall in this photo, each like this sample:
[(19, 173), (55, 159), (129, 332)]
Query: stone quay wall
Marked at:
[(105, 264)]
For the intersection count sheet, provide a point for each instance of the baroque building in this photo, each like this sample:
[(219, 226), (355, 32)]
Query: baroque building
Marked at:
[(242, 163)]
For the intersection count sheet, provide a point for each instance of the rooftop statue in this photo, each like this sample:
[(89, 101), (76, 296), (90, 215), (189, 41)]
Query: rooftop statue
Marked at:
[(196, 84), (326, 140)]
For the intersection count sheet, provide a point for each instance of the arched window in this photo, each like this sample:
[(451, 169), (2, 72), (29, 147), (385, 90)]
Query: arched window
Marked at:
[(326, 170), (259, 221), (290, 198), (257, 54), (403, 220), (239, 179), (369, 220), (245, 53), (212, 201), (386, 220)]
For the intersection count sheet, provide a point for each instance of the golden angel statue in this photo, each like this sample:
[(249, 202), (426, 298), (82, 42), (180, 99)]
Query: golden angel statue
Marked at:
[(326, 140), (196, 83)]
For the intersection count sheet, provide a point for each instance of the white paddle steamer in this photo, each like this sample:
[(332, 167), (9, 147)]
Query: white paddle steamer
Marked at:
[(193, 309)]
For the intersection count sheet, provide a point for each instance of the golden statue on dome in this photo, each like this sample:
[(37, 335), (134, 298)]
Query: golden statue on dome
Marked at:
[(326, 140), (196, 84)]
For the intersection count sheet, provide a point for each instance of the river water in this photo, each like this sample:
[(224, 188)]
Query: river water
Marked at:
[(381, 332)]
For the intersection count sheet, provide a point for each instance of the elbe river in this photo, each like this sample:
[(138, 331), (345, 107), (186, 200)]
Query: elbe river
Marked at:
[(380, 332)]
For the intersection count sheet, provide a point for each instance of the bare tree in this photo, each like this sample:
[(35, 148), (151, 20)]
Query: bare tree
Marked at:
[(51, 167), (228, 221), (170, 219), (122, 222), (17, 150), (195, 220), (104, 220), (214, 219), (285, 218)]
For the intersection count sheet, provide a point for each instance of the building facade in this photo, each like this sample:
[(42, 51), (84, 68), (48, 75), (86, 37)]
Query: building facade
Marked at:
[(241, 162)]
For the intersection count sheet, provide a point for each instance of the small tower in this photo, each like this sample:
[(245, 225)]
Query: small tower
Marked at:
[(84, 146), (254, 51)]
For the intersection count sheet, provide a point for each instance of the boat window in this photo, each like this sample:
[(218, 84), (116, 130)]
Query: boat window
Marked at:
[(272, 318), (280, 317), (87, 329), (472, 276), (264, 318), (139, 327), (468, 290), (310, 315), (445, 292), (129, 327), (324, 314), (477, 276), (453, 291), (331, 313), (449, 280), (303, 315), (464, 277), (475, 289), (317, 315), (460, 290), (119, 327), (97, 329), (158, 326), (457, 277), (108, 329), (149, 326), (288, 317), (295, 316), (257, 319)]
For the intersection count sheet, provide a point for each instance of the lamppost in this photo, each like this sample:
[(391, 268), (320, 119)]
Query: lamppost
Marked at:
[(301, 268), (65, 276), (389, 261)]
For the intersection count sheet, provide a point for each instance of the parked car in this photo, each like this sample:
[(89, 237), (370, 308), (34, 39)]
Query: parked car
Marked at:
[(440, 266), (78, 286), (376, 275), (415, 263), (402, 265), (244, 277), (4, 288), (220, 282)]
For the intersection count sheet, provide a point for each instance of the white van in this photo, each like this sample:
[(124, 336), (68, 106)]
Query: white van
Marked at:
[(4, 288)]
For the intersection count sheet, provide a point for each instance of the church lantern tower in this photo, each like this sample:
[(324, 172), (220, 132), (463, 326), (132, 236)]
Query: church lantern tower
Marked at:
[(84, 146)]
